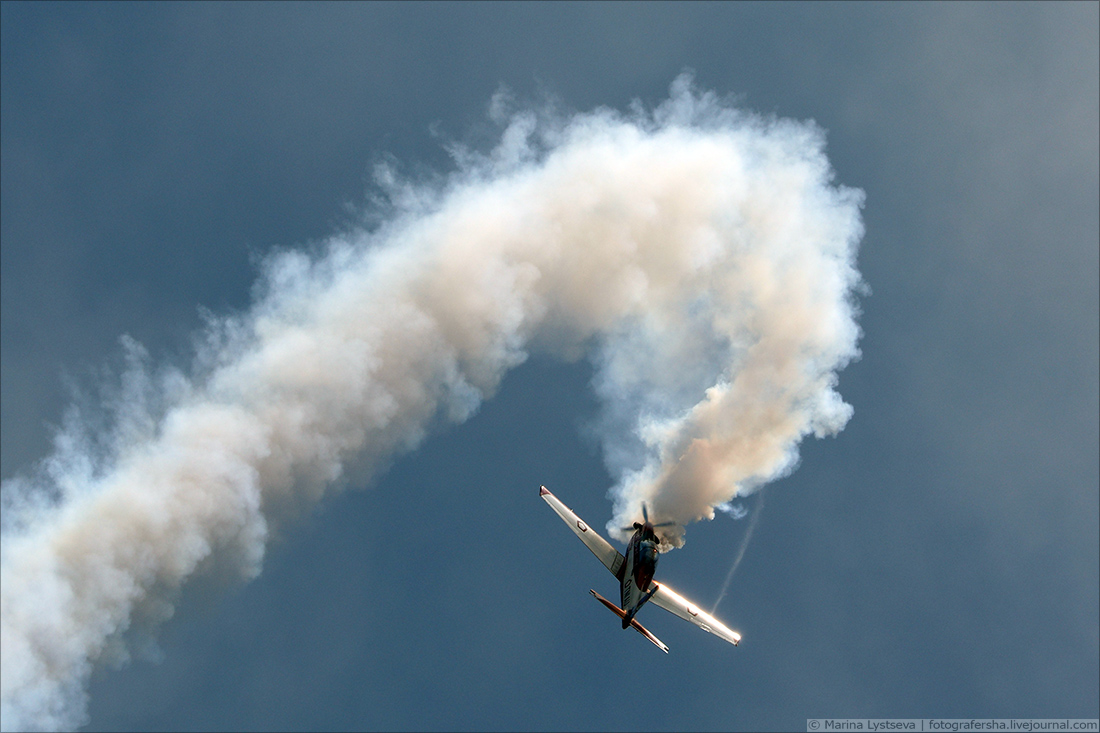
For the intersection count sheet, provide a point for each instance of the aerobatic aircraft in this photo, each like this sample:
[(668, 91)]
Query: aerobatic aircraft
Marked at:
[(635, 574)]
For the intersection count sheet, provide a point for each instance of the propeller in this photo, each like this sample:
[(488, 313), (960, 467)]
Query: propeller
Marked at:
[(645, 518)]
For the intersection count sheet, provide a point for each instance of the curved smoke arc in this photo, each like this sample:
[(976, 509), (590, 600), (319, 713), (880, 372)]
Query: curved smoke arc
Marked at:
[(701, 256)]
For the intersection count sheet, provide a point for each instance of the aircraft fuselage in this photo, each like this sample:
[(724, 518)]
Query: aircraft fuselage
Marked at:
[(637, 571)]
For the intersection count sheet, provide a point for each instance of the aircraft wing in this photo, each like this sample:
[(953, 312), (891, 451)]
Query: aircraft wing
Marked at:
[(673, 602), (601, 548)]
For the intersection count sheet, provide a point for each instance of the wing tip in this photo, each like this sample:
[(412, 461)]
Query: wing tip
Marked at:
[(543, 491)]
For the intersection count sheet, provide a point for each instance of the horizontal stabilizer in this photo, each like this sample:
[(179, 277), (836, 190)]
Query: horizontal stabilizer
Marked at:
[(633, 622)]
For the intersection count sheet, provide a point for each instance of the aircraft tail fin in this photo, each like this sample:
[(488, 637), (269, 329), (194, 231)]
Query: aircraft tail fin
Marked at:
[(633, 622)]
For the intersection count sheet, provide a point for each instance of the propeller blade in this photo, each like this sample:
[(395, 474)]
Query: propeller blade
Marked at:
[(645, 514), (665, 524)]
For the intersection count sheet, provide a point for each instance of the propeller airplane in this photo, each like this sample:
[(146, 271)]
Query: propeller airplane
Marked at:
[(635, 575)]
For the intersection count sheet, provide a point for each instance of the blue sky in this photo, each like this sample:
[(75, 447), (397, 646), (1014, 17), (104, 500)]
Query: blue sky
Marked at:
[(938, 558)]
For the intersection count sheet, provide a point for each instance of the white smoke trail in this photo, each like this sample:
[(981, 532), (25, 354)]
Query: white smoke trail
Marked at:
[(737, 511), (701, 255), (740, 550)]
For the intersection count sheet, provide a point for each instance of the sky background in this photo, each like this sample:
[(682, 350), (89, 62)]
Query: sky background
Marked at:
[(939, 558)]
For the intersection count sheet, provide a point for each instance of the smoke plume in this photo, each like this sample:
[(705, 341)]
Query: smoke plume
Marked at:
[(699, 255)]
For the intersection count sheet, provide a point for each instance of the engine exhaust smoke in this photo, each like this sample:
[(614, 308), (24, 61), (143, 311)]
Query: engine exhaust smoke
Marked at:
[(701, 256)]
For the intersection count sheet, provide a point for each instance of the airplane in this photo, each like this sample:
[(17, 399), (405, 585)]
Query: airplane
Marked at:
[(635, 574)]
